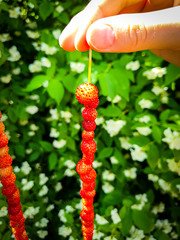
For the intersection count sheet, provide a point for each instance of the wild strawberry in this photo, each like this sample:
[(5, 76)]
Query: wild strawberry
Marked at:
[(13, 202), (89, 125), (3, 140), (87, 201), (16, 217), (17, 223), (88, 147), (88, 238), (89, 177), (89, 186), (86, 93), (5, 161), (5, 172), (86, 216), (88, 208), (88, 229), (4, 151), (86, 223), (2, 128), (82, 167), (87, 194), (18, 230), (8, 180), (14, 195), (14, 210), (89, 114), (9, 190), (87, 135), (92, 104), (88, 158)]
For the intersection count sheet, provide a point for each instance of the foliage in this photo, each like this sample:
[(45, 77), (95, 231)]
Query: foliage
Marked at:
[(138, 130)]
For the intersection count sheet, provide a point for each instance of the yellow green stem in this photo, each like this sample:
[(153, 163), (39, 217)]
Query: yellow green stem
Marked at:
[(89, 69)]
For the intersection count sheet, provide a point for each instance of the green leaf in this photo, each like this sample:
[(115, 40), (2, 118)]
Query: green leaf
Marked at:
[(45, 9), (46, 146), (160, 235), (143, 220), (20, 150), (110, 111), (7, 235), (35, 83), (52, 160), (108, 87), (55, 90), (71, 144), (139, 140), (34, 156), (153, 155), (105, 153), (126, 220), (157, 134), (173, 73), (112, 198)]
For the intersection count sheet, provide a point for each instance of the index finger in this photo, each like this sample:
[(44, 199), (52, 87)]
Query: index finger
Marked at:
[(73, 36)]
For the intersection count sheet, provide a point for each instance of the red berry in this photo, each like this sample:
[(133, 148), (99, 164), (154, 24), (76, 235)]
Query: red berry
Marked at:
[(5, 172), (4, 151), (88, 158), (18, 230), (5, 161), (2, 128), (89, 114), (87, 201), (87, 194), (88, 147), (16, 217), (82, 167), (3, 140), (86, 216), (14, 202), (14, 210), (14, 195), (89, 186), (89, 125), (86, 223), (87, 135), (88, 236), (92, 104), (89, 177), (86, 93), (8, 180), (88, 229), (17, 223), (9, 190)]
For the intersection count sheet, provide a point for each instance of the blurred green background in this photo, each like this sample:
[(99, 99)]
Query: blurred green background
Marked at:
[(137, 134)]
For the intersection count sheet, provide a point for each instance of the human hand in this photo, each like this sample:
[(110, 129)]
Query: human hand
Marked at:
[(126, 26)]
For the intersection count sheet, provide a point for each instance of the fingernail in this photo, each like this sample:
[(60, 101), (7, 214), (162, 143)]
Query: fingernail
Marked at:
[(101, 36)]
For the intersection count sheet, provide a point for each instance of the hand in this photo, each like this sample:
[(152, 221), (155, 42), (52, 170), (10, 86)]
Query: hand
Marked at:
[(126, 26)]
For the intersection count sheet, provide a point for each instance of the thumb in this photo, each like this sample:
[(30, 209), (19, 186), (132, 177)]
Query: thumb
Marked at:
[(135, 32)]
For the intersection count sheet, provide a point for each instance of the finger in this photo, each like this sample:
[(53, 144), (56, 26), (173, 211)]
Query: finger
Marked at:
[(168, 55), (135, 32), (74, 35)]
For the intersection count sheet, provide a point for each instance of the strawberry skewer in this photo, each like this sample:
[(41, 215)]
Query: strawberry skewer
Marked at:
[(9, 189), (87, 94)]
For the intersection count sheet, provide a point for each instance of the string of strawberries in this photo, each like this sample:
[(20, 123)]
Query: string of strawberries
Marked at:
[(9, 189), (87, 94)]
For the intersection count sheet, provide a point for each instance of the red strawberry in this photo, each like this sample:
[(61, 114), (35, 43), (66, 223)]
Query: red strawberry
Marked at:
[(89, 177), (88, 236), (14, 195), (16, 217), (87, 223), (13, 202), (86, 216), (18, 230), (17, 223), (88, 208), (89, 125), (87, 194), (89, 114), (8, 180), (88, 158), (87, 201), (82, 167), (88, 147), (9, 190), (4, 151), (3, 140), (87, 135), (92, 104), (14, 210), (5, 161), (86, 93), (5, 172), (88, 229), (2, 128), (89, 186)]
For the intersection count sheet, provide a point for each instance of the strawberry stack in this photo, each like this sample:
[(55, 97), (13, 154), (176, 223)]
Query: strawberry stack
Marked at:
[(87, 94), (9, 188)]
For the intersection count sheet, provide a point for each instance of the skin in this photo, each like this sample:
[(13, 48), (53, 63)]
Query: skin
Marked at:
[(126, 26)]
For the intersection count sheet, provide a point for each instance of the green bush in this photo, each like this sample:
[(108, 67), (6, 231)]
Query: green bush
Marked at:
[(137, 134)]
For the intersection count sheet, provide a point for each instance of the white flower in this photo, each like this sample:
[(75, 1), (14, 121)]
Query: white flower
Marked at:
[(14, 13), (164, 225), (69, 172), (77, 67), (131, 173), (77, 126), (42, 223), (25, 168), (144, 130), (116, 99), (99, 120), (153, 177), (42, 179), (16, 71), (34, 127), (136, 234), (27, 185), (155, 72), (137, 153), (47, 49), (66, 115), (174, 166), (45, 84), (42, 233), (107, 175), (113, 127), (33, 35), (50, 207), (6, 79), (54, 114), (145, 103), (97, 234), (45, 62), (54, 133), (59, 144), (58, 187), (125, 142), (64, 231), (14, 54), (35, 66), (79, 205), (113, 160), (164, 97), (70, 164), (172, 138), (59, 9), (56, 33), (158, 90), (144, 119), (97, 164), (16, 169), (164, 185), (159, 208), (100, 220), (107, 187), (115, 216), (69, 209), (36, 46), (30, 212), (142, 198), (43, 191), (133, 65), (32, 109), (31, 133), (3, 211), (5, 37)]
